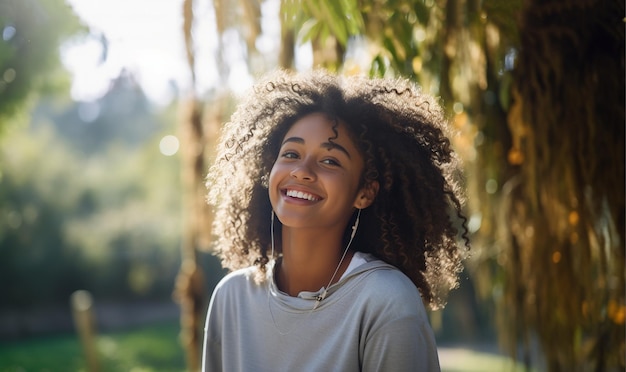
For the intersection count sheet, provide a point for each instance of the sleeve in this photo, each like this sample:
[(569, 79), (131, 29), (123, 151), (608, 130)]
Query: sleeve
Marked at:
[(403, 344), (212, 346), (211, 356)]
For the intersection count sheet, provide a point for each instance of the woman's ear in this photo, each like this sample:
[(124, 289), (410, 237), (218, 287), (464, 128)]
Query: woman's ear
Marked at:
[(365, 197)]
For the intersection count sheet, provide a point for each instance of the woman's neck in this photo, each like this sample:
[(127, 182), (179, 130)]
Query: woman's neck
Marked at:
[(309, 260)]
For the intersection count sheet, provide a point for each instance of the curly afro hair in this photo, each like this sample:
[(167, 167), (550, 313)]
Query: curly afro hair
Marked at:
[(416, 221)]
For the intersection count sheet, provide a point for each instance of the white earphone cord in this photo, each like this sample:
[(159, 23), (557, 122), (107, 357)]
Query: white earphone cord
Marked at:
[(354, 227), (325, 292)]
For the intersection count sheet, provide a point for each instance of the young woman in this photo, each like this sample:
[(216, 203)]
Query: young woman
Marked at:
[(336, 211)]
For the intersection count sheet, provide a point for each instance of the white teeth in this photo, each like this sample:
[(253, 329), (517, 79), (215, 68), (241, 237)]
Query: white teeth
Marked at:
[(300, 195)]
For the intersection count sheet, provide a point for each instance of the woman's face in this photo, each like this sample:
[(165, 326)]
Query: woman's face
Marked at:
[(314, 182)]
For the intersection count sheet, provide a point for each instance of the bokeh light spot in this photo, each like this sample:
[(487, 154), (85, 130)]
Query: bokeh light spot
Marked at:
[(8, 33), (9, 75), (169, 145), (458, 107), (491, 186), (88, 111)]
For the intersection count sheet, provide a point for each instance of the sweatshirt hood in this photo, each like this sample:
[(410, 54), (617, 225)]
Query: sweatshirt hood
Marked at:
[(305, 301)]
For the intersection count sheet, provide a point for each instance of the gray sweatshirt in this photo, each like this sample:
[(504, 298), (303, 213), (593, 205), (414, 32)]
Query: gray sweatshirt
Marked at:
[(372, 319)]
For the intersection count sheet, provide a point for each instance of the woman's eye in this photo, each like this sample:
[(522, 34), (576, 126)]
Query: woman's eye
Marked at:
[(330, 162), (289, 155)]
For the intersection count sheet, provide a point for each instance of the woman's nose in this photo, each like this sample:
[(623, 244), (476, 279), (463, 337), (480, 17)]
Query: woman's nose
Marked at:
[(303, 171)]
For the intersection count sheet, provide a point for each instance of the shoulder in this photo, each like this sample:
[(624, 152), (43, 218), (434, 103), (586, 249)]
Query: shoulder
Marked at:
[(241, 275), (237, 281), (238, 288), (389, 281), (387, 289)]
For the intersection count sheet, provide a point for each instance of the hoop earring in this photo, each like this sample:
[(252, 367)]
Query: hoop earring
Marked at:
[(356, 225), (272, 234)]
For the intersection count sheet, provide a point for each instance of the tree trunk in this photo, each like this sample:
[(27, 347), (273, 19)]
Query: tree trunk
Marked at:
[(189, 290)]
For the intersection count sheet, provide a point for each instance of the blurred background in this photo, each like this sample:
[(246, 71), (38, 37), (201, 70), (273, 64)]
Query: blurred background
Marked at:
[(109, 111)]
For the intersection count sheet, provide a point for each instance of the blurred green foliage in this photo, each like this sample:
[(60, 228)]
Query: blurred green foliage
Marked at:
[(89, 204), (31, 32)]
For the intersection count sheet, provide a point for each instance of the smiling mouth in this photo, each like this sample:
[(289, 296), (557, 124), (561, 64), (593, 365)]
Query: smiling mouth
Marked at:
[(301, 195)]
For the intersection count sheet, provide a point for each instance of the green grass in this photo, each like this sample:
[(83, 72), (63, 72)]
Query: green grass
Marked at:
[(156, 348), (147, 349)]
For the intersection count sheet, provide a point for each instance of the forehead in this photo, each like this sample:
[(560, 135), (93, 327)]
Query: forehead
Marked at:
[(317, 127)]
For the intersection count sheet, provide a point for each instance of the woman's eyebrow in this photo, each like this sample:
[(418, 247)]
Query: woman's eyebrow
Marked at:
[(336, 146), (293, 139), (326, 145)]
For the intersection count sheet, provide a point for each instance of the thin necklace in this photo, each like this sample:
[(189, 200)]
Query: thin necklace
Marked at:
[(320, 297)]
